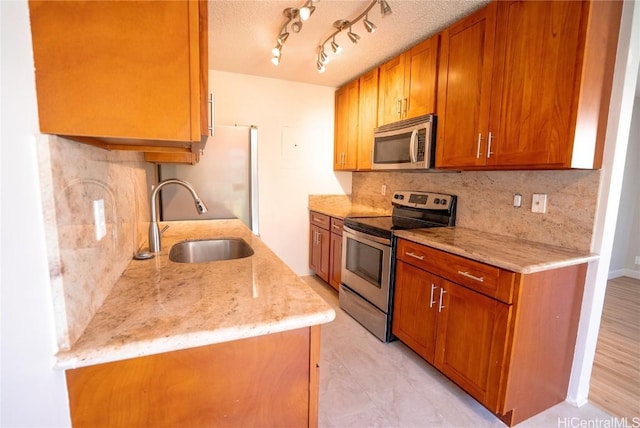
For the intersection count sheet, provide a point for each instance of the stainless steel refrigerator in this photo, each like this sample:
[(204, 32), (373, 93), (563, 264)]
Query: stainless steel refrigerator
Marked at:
[(226, 179)]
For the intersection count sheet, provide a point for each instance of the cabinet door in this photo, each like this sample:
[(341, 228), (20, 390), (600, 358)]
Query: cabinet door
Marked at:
[(535, 70), (464, 85), (421, 78), (346, 127), (335, 253), (368, 115), (391, 99), (118, 70), (415, 308), (471, 342), (319, 251)]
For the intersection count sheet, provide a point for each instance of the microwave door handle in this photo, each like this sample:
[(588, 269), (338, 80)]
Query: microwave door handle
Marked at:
[(413, 146)]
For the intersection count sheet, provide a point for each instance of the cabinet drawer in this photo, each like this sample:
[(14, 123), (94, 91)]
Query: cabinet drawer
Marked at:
[(336, 225), (320, 220), (486, 279)]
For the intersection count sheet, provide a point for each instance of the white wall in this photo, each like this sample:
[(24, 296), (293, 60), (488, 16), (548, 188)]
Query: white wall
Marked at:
[(295, 154), (626, 244), (32, 393)]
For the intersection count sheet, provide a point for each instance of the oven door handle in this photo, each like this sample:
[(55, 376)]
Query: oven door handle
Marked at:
[(366, 236)]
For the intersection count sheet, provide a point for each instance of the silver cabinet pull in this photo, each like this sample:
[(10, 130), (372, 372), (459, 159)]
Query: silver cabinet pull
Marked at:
[(399, 109), (468, 275), (489, 140), (414, 255), (478, 149), (431, 301), (335, 226), (405, 104), (210, 128), (440, 305)]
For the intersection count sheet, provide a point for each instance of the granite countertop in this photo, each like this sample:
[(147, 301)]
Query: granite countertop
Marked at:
[(505, 252), (161, 306), (340, 206)]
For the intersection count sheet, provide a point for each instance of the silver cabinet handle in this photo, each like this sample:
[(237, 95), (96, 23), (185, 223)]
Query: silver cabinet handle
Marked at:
[(478, 149), (210, 128), (399, 109), (431, 301), (440, 305), (335, 226), (405, 104), (468, 275), (414, 255), (489, 140)]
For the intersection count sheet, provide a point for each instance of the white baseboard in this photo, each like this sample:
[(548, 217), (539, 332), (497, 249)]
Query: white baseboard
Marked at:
[(624, 272)]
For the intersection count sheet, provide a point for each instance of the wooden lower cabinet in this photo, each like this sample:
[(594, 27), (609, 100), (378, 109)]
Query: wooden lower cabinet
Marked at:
[(506, 338), (325, 247), (269, 380)]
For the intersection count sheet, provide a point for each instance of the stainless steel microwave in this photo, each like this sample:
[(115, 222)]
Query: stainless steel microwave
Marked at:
[(406, 144)]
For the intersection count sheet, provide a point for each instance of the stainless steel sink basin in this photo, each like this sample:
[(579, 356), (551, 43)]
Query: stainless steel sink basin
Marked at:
[(209, 250)]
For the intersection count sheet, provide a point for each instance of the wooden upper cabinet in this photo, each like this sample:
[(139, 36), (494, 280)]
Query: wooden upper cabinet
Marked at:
[(421, 81), (552, 80), (391, 90), (122, 75), (408, 83), (526, 85), (368, 117), (346, 127), (464, 86)]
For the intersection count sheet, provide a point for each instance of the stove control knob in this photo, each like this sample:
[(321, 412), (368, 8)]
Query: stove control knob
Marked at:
[(436, 201), (443, 201)]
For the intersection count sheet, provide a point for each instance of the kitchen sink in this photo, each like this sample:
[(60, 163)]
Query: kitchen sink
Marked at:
[(209, 250)]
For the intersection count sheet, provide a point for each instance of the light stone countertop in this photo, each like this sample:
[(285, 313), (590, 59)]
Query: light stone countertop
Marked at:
[(161, 306), (340, 206), (505, 252)]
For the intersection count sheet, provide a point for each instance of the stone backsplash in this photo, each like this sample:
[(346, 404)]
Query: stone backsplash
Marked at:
[(82, 268), (485, 200)]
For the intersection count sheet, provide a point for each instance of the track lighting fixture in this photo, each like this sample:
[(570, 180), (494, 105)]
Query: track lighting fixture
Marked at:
[(295, 17), (344, 24), (370, 26)]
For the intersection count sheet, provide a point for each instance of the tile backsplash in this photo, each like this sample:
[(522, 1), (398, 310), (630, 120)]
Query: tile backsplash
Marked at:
[(83, 268), (485, 200)]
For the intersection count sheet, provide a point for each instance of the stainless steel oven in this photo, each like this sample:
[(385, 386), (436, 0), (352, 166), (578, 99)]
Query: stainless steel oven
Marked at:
[(366, 267), (366, 291)]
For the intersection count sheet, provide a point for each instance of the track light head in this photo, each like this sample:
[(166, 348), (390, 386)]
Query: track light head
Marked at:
[(353, 36), (296, 26), (385, 9), (335, 47), (370, 26)]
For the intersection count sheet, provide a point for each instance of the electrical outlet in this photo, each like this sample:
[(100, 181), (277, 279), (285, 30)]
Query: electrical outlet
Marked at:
[(98, 219), (638, 260), (383, 190), (517, 200), (539, 203)]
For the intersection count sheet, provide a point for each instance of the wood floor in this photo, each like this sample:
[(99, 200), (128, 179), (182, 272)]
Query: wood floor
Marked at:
[(615, 381)]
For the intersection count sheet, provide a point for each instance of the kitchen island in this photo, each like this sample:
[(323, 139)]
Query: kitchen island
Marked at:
[(217, 343)]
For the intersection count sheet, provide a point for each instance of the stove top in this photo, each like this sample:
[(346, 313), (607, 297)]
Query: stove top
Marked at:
[(411, 210)]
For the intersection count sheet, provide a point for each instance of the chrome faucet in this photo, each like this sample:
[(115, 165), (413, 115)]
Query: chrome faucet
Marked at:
[(154, 231)]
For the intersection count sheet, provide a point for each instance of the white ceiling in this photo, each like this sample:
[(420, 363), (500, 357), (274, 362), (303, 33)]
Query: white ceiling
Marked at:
[(243, 32)]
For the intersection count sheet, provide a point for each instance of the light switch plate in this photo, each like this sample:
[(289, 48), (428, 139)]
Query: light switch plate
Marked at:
[(539, 203)]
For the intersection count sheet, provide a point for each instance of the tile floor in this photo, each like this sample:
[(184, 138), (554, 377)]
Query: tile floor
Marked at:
[(367, 383)]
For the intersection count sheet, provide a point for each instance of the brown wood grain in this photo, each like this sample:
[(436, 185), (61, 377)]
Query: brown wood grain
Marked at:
[(127, 70), (368, 117), (261, 381), (346, 131), (464, 87), (414, 319), (421, 78)]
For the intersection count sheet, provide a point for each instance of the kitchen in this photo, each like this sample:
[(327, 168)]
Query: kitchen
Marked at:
[(299, 173)]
